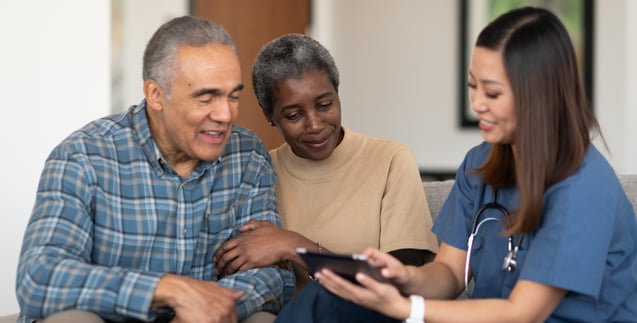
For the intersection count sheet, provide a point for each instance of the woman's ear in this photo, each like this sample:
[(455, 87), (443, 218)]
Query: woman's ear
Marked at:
[(154, 95), (267, 116)]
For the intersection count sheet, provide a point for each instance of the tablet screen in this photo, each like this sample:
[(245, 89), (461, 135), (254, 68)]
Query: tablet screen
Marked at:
[(345, 265)]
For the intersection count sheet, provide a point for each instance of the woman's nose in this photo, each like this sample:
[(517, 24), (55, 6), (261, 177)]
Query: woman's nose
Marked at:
[(477, 102), (313, 122)]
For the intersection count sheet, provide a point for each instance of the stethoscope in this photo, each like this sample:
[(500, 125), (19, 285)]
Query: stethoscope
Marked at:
[(510, 260)]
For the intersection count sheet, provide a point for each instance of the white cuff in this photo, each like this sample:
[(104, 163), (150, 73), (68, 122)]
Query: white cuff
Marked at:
[(417, 311)]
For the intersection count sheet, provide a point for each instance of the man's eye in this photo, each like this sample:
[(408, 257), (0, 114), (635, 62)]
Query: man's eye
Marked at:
[(234, 96), (206, 99)]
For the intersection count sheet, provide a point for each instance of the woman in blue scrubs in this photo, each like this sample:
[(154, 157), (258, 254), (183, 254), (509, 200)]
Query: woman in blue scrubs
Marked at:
[(537, 217)]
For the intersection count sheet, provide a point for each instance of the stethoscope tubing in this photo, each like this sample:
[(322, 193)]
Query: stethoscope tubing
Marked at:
[(510, 260)]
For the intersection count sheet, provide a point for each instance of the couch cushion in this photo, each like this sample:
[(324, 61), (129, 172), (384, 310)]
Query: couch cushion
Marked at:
[(437, 193), (9, 318), (629, 182)]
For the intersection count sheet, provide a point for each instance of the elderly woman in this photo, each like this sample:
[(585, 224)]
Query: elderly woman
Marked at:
[(338, 190)]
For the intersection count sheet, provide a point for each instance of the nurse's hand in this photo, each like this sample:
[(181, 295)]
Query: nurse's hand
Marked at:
[(381, 297), (390, 267)]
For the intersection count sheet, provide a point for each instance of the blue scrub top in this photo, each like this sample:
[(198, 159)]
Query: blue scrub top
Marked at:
[(587, 243)]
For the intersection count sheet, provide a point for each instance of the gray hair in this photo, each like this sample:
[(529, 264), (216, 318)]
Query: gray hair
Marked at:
[(161, 50), (286, 57)]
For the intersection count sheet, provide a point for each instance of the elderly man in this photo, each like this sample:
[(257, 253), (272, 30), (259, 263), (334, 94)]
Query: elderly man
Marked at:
[(131, 208)]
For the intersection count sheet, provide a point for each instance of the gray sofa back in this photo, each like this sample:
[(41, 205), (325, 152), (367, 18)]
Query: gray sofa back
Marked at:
[(437, 192)]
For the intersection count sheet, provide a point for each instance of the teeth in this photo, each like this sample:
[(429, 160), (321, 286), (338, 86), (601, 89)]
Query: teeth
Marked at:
[(487, 123), (213, 133)]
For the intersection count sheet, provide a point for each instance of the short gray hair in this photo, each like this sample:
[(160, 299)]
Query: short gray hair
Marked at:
[(161, 50), (286, 57)]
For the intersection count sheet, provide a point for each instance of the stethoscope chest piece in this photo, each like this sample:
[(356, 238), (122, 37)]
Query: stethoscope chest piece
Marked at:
[(510, 261)]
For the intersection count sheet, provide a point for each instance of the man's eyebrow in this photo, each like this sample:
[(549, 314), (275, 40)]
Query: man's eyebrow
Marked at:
[(214, 91), (238, 88), (204, 91)]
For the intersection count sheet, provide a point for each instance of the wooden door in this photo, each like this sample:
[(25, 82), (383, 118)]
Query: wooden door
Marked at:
[(253, 23)]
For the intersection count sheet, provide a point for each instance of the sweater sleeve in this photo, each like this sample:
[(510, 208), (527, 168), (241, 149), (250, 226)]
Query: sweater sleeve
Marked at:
[(405, 217)]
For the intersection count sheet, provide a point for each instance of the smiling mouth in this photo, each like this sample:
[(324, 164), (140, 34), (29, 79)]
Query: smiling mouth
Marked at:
[(213, 137), (316, 144), (487, 123)]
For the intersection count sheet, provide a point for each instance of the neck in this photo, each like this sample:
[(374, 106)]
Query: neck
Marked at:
[(184, 169), (183, 164)]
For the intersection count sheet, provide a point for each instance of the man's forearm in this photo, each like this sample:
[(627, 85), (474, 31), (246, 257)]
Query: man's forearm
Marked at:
[(108, 292), (265, 289)]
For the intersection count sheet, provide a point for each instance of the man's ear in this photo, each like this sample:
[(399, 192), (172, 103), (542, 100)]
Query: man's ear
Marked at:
[(154, 95)]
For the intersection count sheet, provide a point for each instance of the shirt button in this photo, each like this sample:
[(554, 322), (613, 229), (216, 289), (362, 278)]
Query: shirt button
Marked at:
[(184, 231)]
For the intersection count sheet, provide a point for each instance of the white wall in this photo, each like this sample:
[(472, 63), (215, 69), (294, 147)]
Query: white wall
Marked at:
[(629, 164), (55, 78), (56, 63), (397, 60), (398, 72), (132, 32), (398, 66), (615, 79), (612, 81)]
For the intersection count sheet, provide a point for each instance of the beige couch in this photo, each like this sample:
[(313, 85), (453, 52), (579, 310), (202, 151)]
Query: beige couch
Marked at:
[(437, 193)]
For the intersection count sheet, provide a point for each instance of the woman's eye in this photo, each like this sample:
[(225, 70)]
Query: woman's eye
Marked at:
[(492, 95), (292, 116), (471, 85), (325, 105)]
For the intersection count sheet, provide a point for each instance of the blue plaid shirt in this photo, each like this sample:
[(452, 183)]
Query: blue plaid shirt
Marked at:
[(111, 218)]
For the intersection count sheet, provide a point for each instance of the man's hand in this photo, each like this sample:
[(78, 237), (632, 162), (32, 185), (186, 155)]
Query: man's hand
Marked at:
[(260, 244), (196, 301)]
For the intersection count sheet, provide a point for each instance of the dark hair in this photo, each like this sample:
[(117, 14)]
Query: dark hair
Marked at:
[(161, 50), (553, 117), (286, 57)]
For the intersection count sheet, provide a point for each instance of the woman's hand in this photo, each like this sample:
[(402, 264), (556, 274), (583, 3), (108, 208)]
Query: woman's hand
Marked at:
[(260, 244), (390, 267), (381, 297)]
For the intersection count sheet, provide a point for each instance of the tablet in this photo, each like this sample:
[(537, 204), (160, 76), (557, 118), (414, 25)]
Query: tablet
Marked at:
[(345, 265)]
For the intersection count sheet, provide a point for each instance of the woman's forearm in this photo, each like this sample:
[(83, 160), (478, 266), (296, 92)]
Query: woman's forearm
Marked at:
[(433, 280)]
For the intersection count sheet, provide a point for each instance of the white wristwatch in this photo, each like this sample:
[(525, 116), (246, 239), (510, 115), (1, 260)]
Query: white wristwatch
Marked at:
[(417, 311)]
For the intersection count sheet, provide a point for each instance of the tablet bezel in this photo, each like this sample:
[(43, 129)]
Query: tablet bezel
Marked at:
[(345, 265)]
